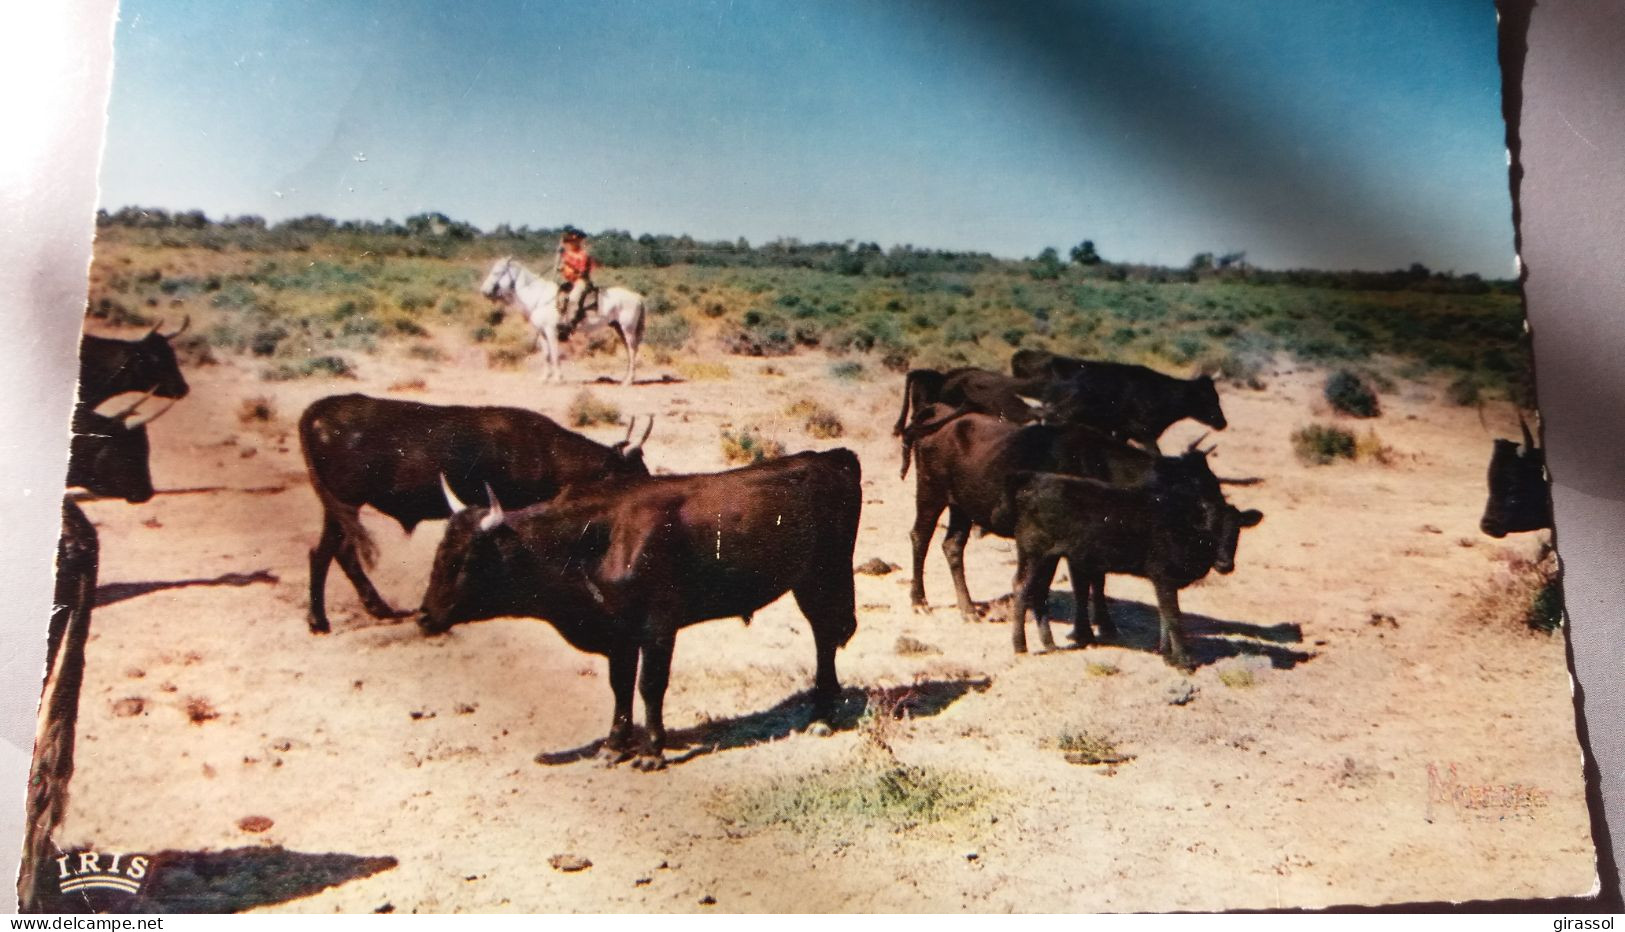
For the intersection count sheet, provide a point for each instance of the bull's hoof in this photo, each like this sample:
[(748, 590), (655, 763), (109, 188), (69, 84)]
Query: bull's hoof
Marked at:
[(612, 757), (320, 627), (649, 763), (1021, 648), (820, 730), (921, 608)]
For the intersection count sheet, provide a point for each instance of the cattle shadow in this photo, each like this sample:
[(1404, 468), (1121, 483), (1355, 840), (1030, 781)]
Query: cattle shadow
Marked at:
[(1207, 639), (111, 593), (916, 700), (226, 881)]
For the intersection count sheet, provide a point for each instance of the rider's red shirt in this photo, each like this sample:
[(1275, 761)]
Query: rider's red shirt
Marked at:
[(576, 264)]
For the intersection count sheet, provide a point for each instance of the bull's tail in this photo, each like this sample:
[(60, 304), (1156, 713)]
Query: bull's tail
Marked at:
[(926, 383), (356, 538), (913, 433)]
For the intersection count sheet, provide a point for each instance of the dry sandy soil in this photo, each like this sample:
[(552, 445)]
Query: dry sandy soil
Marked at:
[(1342, 662)]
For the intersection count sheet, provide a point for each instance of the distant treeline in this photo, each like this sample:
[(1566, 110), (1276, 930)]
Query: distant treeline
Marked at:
[(435, 234)]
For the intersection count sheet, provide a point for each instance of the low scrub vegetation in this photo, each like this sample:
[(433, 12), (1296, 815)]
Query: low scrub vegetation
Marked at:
[(1323, 444), (749, 445), (817, 420), (298, 288), (1087, 748), (587, 410), (1350, 394), (1524, 593), (332, 367)]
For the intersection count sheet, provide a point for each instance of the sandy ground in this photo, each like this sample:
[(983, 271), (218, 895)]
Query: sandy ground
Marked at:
[(1308, 787)]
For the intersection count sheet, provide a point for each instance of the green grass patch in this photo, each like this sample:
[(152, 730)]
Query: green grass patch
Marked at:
[(749, 445), (1323, 444), (586, 410)]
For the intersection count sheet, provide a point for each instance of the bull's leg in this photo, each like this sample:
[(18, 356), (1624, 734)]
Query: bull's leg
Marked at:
[(927, 509), (830, 605), (1037, 596), (1018, 602), (652, 685), (953, 547), (321, 557), (623, 675), (350, 562), (1099, 615), (1172, 642)]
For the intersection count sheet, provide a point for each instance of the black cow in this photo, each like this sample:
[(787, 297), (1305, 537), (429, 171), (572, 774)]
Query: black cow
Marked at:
[(109, 367), (1520, 499), (620, 570), (977, 390), (1132, 402), (109, 455), (390, 455), (1169, 533), (964, 465)]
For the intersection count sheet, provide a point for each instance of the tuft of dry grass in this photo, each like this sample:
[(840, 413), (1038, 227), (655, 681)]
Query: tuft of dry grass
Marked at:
[(586, 410), (749, 445), (1522, 592), (817, 420), (1322, 444), (1101, 668), (1084, 748), (1237, 677), (913, 647), (257, 410), (506, 357), (696, 370), (1370, 447)]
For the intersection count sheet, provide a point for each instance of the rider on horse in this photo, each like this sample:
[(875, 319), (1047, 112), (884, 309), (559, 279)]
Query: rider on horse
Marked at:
[(574, 267)]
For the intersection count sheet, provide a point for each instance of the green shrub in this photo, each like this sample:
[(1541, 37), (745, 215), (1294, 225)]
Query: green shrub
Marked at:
[(1321, 444), (668, 332), (749, 446), (335, 367), (847, 370), (1349, 394), (1463, 391), (818, 420)]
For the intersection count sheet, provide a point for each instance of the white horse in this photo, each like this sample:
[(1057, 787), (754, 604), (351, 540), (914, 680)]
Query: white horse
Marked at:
[(537, 297)]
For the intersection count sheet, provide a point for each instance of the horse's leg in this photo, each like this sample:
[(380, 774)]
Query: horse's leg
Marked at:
[(550, 344), (631, 344)]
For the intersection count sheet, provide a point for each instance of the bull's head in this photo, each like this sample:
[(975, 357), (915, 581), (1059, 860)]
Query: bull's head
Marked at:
[(467, 582), (109, 455), (151, 361), (1202, 402), (632, 453), (1231, 521), (1520, 498)]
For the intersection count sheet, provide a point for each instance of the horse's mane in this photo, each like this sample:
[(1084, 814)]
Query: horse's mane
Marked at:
[(522, 277)]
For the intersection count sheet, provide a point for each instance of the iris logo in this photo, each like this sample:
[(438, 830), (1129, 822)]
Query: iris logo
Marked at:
[(91, 870)]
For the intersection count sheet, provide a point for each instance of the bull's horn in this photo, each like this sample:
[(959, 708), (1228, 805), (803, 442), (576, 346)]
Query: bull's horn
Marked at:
[(495, 517), (185, 322), (121, 415), (1528, 436), (1250, 480), (647, 430), (141, 420), (155, 328), (1031, 402), (631, 422), (452, 500), (1198, 442)]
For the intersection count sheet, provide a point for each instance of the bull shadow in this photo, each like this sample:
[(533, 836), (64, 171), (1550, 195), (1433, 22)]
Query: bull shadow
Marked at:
[(117, 592), (917, 700), (226, 881), (1207, 639)]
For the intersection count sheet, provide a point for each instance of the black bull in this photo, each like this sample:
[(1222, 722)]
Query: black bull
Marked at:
[(619, 571), (1520, 498), (391, 454), (109, 367)]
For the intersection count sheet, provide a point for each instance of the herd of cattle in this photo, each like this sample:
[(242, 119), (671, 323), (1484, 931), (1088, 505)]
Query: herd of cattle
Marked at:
[(1060, 455)]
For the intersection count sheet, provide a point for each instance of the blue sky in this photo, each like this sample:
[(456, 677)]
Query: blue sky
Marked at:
[(1310, 133)]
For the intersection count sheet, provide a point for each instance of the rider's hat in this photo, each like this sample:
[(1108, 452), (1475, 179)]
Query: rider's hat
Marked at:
[(571, 232)]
